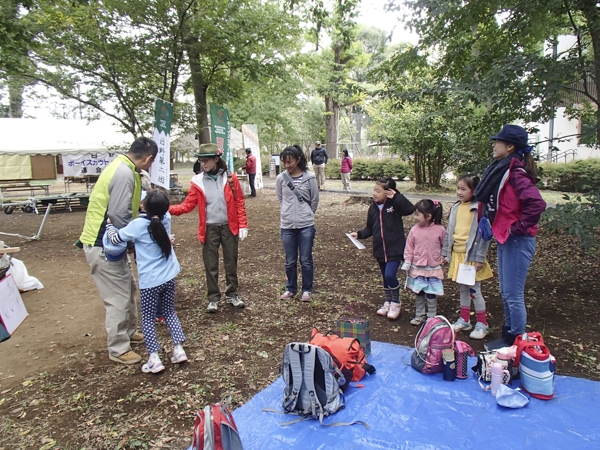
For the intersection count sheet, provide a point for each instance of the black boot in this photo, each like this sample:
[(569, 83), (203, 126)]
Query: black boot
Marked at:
[(509, 339), (499, 343)]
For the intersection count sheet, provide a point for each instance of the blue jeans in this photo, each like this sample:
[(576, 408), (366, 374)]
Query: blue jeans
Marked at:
[(294, 240), (514, 259), (389, 271)]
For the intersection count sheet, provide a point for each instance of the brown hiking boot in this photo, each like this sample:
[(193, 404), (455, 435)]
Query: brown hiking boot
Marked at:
[(127, 358), (137, 338)]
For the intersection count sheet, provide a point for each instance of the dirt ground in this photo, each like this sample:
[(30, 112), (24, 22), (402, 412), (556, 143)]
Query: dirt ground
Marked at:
[(59, 390)]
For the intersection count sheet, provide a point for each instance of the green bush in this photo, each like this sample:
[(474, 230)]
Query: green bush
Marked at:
[(238, 163), (370, 169), (265, 166), (332, 169), (579, 217), (575, 176)]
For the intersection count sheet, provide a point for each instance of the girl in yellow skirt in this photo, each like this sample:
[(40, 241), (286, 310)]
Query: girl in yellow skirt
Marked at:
[(463, 245)]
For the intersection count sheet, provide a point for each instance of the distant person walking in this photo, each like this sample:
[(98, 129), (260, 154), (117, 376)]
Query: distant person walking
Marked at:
[(345, 169), (250, 168), (116, 196), (318, 158), (221, 223)]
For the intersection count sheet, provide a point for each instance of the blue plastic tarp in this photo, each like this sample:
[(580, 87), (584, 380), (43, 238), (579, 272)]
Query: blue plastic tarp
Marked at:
[(408, 410)]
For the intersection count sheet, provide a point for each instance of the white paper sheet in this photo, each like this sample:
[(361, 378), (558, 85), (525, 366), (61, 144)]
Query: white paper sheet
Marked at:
[(12, 309), (356, 242), (466, 274)]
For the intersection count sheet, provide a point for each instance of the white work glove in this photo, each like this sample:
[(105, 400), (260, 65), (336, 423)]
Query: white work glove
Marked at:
[(405, 266), (243, 233), (146, 183)]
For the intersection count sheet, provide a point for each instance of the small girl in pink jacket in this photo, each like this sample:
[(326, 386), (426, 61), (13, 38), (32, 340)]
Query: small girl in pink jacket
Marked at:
[(423, 259)]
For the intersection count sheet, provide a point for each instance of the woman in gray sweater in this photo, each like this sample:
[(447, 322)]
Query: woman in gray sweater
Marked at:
[(298, 194)]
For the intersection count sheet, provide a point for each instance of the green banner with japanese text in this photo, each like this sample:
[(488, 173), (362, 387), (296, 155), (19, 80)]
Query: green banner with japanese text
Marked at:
[(220, 132)]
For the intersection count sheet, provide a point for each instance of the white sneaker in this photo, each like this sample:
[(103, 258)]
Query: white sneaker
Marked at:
[(179, 355), (394, 311), (212, 307), (235, 301), (462, 325), (479, 332), (383, 311), (418, 320), (154, 365)]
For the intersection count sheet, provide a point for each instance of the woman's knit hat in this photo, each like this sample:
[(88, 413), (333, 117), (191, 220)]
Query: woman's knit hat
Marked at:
[(512, 134)]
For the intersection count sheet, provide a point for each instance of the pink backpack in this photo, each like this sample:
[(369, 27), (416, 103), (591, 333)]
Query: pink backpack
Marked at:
[(435, 336)]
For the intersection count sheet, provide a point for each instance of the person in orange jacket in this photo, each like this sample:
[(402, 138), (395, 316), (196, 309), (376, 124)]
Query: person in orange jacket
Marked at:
[(222, 222)]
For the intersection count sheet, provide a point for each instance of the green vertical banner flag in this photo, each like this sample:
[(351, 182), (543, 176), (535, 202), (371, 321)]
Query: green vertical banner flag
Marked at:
[(160, 170), (220, 132)]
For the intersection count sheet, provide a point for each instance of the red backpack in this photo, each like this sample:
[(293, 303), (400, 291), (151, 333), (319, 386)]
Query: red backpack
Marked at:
[(435, 336), (215, 429), (347, 354)]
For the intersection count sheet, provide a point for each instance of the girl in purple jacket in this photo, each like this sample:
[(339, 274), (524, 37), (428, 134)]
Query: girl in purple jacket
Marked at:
[(514, 206)]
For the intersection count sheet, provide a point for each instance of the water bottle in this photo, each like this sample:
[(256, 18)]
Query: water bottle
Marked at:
[(497, 374), (449, 368), (503, 358)]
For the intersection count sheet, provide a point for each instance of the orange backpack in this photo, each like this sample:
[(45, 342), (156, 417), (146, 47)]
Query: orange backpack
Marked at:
[(347, 354)]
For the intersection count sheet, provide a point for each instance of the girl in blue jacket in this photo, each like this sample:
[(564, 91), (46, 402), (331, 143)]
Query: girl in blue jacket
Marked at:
[(157, 268)]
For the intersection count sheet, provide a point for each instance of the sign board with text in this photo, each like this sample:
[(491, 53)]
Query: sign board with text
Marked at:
[(79, 165), (160, 170), (12, 309)]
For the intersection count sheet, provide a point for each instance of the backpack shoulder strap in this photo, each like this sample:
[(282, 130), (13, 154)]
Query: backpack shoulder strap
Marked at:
[(481, 211), (295, 364), (231, 184), (209, 435), (215, 411), (290, 184), (309, 381)]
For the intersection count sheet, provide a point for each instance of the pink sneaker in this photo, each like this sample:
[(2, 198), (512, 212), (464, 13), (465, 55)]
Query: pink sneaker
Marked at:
[(286, 295), (306, 296), (394, 311), (383, 311)]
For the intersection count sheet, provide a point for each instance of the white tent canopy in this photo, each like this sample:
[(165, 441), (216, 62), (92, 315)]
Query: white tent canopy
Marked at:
[(57, 136)]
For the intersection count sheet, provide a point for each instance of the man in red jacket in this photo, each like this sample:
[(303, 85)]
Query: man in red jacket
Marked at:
[(250, 168)]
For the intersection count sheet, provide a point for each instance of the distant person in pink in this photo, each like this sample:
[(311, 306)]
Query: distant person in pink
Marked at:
[(345, 169)]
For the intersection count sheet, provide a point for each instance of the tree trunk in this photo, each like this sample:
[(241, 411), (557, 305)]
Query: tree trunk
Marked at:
[(332, 110), (359, 119), (15, 94), (199, 88)]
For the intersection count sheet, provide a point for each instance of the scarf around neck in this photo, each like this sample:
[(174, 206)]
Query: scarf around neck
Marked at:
[(486, 191)]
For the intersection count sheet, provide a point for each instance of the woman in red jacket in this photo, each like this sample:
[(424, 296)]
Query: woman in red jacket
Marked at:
[(222, 221), (514, 206)]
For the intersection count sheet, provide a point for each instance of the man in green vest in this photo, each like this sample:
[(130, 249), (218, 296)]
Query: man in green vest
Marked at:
[(116, 196)]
